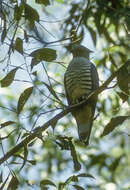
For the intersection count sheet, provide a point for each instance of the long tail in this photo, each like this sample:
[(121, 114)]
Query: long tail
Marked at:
[(84, 119)]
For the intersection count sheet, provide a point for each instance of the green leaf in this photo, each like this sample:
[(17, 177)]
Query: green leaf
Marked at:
[(123, 96), (44, 54), (6, 124), (13, 184), (25, 157), (124, 75), (19, 45), (112, 60), (4, 28), (34, 62), (108, 36), (26, 36), (4, 183), (61, 186), (8, 79), (23, 99), (127, 20), (18, 12), (44, 2), (77, 165), (53, 124), (63, 142), (34, 73), (31, 15), (33, 162), (100, 158), (114, 123), (115, 163), (85, 175), (77, 187), (46, 182), (97, 21), (3, 35), (1, 176), (71, 179)]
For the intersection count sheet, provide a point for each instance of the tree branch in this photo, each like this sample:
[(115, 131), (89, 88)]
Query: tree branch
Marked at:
[(68, 109)]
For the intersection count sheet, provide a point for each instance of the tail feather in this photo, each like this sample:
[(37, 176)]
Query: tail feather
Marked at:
[(84, 132), (84, 118)]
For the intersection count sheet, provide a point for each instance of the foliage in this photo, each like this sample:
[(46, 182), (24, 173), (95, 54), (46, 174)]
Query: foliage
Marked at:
[(33, 53)]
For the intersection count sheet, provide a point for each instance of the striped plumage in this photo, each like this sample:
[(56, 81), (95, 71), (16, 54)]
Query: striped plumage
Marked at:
[(80, 80)]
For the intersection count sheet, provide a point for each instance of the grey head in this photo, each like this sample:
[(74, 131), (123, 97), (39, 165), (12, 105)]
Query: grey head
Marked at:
[(80, 51)]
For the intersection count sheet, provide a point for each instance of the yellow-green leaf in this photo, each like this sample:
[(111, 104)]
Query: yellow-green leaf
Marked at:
[(59, 1)]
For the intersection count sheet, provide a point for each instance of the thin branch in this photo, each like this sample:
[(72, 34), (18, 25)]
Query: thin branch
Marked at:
[(46, 125), (47, 31), (60, 63), (46, 74), (9, 109), (82, 16), (22, 81), (54, 21), (12, 40), (49, 43), (41, 115)]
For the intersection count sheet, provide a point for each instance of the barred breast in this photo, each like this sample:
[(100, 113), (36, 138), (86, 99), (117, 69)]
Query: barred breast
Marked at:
[(78, 81)]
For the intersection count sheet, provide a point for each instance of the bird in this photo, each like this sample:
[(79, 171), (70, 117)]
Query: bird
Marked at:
[(80, 80)]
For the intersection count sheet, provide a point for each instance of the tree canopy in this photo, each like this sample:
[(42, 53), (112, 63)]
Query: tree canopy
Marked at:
[(39, 145)]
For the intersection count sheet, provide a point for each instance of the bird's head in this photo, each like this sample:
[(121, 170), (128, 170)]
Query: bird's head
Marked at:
[(80, 51)]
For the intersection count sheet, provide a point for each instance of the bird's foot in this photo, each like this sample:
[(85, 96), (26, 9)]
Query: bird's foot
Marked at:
[(80, 99)]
